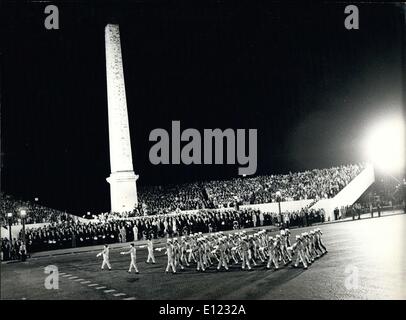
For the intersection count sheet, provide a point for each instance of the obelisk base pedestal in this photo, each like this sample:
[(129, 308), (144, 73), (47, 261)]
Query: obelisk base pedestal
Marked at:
[(123, 191)]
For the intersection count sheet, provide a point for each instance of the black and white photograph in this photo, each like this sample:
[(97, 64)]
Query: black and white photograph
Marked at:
[(208, 151)]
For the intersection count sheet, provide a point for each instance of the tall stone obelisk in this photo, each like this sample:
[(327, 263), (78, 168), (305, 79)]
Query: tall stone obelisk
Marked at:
[(122, 180)]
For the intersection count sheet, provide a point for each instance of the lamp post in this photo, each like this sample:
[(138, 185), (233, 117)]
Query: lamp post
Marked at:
[(278, 199), (23, 214), (10, 217)]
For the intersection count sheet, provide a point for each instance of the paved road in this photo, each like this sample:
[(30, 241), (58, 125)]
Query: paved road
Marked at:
[(366, 260)]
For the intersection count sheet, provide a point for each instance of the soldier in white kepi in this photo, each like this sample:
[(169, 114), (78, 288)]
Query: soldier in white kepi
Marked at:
[(273, 259), (133, 254), (106, 257), (183, 248), (150, 246), (221, 249), (298, 249), (199, 253), (244, 246), (170, 255)]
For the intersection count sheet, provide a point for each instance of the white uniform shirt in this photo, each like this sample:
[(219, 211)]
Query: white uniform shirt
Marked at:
[(150, 245), (106, 253), (133, 253)]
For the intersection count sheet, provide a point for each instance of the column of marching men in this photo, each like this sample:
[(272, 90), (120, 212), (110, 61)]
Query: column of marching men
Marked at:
[(239, 248)]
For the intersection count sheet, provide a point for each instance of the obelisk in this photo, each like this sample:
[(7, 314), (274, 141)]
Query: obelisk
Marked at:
[(122, 180)]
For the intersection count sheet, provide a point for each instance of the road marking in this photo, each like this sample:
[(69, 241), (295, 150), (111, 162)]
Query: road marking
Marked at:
[(93, 285), (61, 273), (79, 279), (98, 288), (66, 275), (108, 291), (119, 294), (85, 282), (71, 278), (130, 298)]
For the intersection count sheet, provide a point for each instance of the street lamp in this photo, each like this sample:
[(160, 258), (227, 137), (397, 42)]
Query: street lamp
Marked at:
[(10, 218), (278, 199), (23, 214)]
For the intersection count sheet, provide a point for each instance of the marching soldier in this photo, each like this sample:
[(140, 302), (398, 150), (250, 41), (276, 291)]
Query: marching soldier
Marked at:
[(244, 247), (183, 248), (206, 252), (221, 249), (256, 246), (278, 250), (250, 250), (177, 253), (306, 252), (133, 255), (170, 255), (233, 253), (106, 257), (271, 254), (198, 253), (298, 249), (192, 250), (284, 247), (150, 247)]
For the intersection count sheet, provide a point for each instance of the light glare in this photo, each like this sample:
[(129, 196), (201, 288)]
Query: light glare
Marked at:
[(385, 145)]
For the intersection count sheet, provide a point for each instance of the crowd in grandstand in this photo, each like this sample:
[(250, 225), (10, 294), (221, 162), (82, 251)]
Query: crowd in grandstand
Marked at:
[(310, 184), (163, 199)]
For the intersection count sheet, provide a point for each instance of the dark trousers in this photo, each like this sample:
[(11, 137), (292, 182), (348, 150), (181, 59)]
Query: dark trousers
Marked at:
[(23, 256)]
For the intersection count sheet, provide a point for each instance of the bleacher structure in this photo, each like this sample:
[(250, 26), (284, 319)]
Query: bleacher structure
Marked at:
[(346, 197)]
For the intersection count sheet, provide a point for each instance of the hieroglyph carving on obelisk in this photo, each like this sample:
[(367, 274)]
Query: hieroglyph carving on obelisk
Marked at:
[(123, 181)]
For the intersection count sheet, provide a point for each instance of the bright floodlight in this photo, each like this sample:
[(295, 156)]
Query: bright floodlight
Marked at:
[(10, 215), (385, 145), (23, 212)]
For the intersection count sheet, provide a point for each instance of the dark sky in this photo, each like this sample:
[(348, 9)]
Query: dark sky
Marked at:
[(308, 85)]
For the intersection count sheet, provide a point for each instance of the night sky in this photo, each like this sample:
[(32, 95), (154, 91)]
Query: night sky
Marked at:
[(310, 87)]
